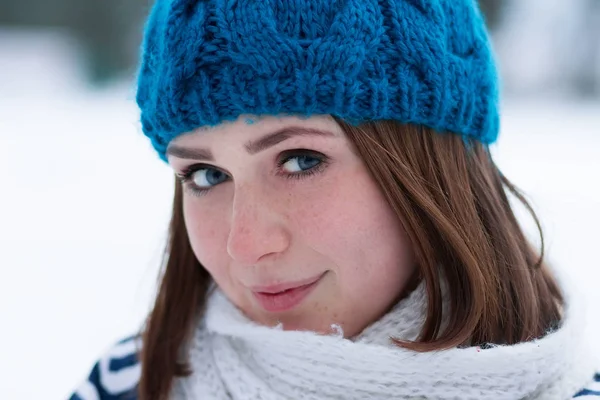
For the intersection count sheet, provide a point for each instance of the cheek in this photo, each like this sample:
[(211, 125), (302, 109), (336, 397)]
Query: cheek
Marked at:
[(351, 223), (207, 233)]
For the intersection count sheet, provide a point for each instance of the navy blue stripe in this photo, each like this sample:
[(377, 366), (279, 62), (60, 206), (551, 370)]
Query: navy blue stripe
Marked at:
[(95, 380), (587, 392), (131, 395), (117, 364), (127, 339)]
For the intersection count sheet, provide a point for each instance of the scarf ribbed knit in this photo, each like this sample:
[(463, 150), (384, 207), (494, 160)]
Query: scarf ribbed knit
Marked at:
[(234, 358)]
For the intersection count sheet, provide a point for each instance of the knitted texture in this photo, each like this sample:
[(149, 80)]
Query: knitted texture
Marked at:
[(425, 62), (234, 358)]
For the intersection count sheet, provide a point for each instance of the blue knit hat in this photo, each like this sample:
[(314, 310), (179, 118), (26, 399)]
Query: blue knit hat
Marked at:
[(426, 62)]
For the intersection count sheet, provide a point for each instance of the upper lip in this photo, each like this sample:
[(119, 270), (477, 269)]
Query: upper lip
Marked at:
[(280, 287)]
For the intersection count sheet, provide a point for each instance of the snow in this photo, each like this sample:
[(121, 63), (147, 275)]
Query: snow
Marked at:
[(549, 46), (84, 209), (85, 205)]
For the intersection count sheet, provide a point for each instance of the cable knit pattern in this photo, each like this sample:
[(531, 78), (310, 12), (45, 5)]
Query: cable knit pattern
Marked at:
[(416, 61), (234, 358)]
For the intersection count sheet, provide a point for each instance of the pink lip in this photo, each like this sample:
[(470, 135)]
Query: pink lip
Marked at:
[(284, 296)]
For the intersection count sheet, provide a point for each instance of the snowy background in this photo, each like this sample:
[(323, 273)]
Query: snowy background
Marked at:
[(85, 202)]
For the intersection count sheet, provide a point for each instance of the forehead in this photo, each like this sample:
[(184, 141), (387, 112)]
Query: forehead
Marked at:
[(247, 126)]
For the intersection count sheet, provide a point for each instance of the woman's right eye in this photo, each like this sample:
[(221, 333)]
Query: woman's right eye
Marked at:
[(203, 178)]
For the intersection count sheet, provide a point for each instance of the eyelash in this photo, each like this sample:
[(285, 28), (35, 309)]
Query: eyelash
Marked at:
[(185, 176)]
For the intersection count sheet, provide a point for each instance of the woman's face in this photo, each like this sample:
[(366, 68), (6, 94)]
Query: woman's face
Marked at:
[(286, 218)]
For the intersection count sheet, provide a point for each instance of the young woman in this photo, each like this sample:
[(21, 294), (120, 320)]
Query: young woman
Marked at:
[(339, 229)]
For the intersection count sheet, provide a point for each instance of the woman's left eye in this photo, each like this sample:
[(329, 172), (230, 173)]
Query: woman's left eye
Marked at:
[(300, 163)]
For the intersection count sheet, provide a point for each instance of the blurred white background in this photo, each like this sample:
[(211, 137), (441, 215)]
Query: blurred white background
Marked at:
[(85, 202)]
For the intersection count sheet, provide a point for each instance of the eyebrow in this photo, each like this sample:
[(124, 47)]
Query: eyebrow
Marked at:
[(253, 146)]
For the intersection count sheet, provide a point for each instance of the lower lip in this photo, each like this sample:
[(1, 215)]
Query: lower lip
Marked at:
[(284, 301)]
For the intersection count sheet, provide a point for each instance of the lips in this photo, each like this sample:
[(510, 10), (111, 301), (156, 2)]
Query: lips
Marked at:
[(281, 287), (285, 296)]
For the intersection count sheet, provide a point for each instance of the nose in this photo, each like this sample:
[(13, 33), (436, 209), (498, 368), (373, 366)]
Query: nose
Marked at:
[(256, 231)]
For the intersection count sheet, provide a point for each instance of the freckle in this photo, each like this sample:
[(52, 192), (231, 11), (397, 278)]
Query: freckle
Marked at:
[(319, 307)]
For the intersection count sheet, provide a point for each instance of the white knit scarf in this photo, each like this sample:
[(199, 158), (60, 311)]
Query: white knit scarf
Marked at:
[(234, 358)]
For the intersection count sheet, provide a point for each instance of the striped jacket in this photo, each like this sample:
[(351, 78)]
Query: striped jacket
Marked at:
[(115, 376)]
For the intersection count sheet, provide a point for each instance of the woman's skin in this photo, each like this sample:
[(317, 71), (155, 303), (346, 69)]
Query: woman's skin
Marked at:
[(286, 200)]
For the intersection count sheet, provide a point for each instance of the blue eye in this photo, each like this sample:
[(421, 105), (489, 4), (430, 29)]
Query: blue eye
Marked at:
[(297, 164), (205, 178)]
